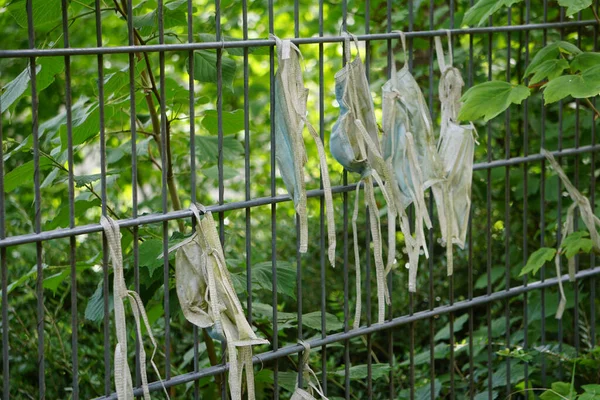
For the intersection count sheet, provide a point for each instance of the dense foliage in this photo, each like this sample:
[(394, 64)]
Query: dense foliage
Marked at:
[(524, 213)]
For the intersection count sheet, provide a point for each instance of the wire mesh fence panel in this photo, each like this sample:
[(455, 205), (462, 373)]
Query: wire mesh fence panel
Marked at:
[(137, 110)]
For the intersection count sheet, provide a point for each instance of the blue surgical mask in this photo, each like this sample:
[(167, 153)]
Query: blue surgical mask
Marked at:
[(290, 151)]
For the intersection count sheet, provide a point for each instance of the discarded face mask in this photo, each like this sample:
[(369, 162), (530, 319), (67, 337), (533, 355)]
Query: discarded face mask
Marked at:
[(123, 381), (208, 299), (355, 145), (589, 219), (313, 385), (290, 151), (409, 146), (455, 148)]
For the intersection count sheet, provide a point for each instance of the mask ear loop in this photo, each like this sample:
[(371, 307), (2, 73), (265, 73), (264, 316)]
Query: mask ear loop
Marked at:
[(450, 56)]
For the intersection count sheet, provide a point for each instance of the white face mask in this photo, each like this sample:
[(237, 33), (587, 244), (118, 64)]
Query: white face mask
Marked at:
[(208, 299), (290, 151), (456, 148)]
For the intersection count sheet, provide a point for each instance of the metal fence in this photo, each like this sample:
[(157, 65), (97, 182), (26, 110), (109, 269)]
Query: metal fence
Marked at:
[(418, 317)]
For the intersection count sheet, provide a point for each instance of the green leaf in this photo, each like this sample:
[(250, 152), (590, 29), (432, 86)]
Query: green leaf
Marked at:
[(313, 321), (232, 122), (23, 174), (205, 68), (592, 392), (213, 172), (489, 99), (496, 274), (207, 148), (559, 391), (45, 12), (584, 61), (286, 277), (578, 86), (517, 370), (440, 351), (360, 372), (479, 13), (149, 252), (537, 259), (424, 392), (94, 309), (62, 218), (444, 333), (549, 69), (574, 6), (550, 52), (576, 242), (53, 282)]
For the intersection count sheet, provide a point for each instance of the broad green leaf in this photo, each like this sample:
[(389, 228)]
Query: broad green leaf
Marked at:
[(46, 69), (440, 351), (574, 6), (213, 172), (537, 259), (576, 242), (45, 12), (584, 61), (232, 122), (517, 370), (23, 174), (52, 282), (424, 392), (485, 395), (207, 148), (286, 277), (205, 68), (549, 69), (586, 84), (489, 99), (94, 309), (592, 392), (550, 52), (150, 251), (360, 372), (82, 180), (62, 218), (559, 391), (313, 321), (479, 13), (496, 274), (284, 319), (444, 333)]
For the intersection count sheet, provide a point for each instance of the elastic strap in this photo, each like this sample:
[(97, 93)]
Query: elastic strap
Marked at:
[(347, 51), (358, 306)]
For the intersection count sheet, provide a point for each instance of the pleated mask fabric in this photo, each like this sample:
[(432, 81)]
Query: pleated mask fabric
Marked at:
[(290, 151), (409, 146), (208, 299), (123, 381), (456, 148), (591, 222), (355, 145)]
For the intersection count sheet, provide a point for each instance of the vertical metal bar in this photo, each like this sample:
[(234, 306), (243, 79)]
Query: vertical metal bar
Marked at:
[(134, 172), (345, 227), (192, 114), (275, 341), (559, 207), (507, 138), (367, 227), (525, 202), (4, 268), (489, 227), (37, 204), (322, 209), (593, 204), (105, 268), (410, 294), (470, 261), (71, 188), (543, 218), (391, 389), (247, 164)]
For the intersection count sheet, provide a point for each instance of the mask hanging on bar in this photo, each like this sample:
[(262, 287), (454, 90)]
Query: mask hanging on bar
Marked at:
[(309, 378), (409, 146), (589, 219), (208, 299), (290, 151), (123, 381), (455, 148), (355, 145)]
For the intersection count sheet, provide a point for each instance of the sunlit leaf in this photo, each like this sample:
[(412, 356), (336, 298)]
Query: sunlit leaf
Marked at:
[(489, 99), (537, 259), (584, 61), (586, 84), (479, 13), (574, 6), (232, 122), (205, 68), (549, 52), (576, 242), (549, 69)]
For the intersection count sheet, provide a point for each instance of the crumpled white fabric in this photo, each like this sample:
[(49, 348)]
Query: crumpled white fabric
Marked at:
[(355, 145), (589, 219), (409, 147), (123, 381), (208, 299), (290, 151), (313, 385), (455, 149)]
